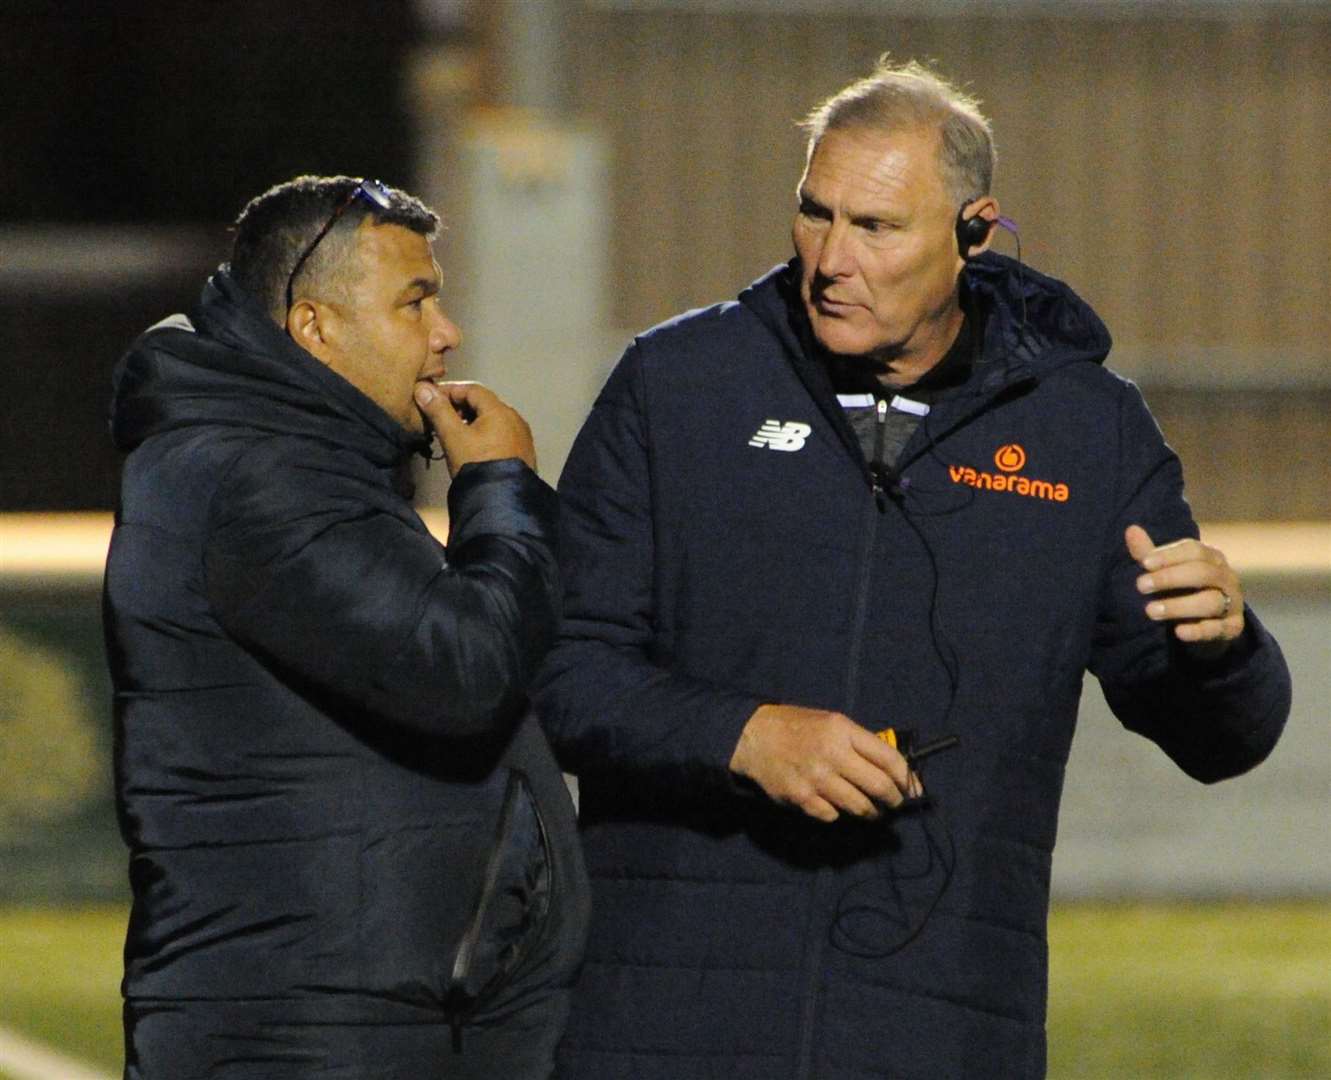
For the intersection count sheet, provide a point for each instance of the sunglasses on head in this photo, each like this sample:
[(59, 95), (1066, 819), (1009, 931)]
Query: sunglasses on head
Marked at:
[(373, 192)]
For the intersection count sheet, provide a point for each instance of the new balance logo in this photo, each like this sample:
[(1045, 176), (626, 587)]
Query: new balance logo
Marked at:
[(778, 436)]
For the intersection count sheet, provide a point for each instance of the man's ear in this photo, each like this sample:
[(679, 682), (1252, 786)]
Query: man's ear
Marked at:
[(982, 209), (975, 225), (308, 325)]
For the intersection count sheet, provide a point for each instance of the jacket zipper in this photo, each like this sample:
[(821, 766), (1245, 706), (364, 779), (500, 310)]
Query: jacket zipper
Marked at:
[(878, 467), (825, 875)]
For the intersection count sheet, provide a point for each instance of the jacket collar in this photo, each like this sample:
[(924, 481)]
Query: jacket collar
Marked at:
[(229, 364), (1032, 325)]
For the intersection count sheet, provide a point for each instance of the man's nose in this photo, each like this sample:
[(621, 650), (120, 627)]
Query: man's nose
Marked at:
[(835, 257), (444, 334)]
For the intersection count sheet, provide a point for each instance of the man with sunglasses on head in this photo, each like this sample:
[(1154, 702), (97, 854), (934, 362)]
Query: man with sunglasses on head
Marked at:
[(351, 853)]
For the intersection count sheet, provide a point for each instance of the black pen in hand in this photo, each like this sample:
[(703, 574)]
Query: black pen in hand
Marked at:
[(945, 742)]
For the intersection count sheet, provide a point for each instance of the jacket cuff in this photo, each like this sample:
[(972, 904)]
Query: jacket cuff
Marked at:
[(503, 497), (1251, 672), (718, 738)]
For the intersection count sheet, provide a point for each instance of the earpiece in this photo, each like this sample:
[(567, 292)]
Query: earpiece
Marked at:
[(974, 230), (971, 232)]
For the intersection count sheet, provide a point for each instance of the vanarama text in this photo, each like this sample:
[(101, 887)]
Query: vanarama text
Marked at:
[(1018, 485)]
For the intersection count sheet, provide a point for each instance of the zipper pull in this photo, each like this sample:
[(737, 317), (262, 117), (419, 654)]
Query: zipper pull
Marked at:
[(877, 468), (880, 436)]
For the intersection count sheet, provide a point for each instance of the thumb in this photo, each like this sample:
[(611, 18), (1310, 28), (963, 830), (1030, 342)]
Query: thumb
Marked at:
[(1139, 542), (436, 406), (470, 398)]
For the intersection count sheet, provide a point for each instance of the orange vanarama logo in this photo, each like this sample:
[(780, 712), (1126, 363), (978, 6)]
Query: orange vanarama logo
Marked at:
[(1010, 459)]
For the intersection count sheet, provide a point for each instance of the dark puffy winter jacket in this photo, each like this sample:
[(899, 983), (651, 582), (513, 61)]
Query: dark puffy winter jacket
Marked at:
[(723, 546), (326, 773)]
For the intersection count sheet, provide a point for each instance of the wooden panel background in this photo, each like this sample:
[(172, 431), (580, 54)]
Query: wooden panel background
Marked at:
[(1250, 455), (1173, 170)]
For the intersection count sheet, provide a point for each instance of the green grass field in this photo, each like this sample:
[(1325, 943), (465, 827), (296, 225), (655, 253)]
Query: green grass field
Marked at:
[(1137, 991), (61, 981), (1207, 991)]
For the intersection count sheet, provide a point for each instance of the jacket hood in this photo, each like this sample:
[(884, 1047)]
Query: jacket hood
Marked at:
[(229, 364), (1033, 324)]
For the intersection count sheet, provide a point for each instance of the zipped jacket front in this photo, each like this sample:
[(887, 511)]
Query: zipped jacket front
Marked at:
[(725, 544)]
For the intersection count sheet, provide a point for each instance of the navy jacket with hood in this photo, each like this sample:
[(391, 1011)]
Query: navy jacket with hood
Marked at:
[(322, 760), (709, 569)]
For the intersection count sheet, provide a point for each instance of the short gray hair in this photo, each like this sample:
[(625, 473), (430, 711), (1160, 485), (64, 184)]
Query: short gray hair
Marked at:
[(901, 97)]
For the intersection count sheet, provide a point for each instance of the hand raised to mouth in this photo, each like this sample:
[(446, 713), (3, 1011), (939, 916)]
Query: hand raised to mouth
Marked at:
[(474, 424)]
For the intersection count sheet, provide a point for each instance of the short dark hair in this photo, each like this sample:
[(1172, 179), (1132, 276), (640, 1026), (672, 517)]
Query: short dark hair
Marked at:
[(275, 227)]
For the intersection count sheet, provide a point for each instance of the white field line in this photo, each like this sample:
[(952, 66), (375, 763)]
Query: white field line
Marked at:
[(23, 1059)]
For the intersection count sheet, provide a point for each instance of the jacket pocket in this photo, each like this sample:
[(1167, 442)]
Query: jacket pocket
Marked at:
[(511, 906)]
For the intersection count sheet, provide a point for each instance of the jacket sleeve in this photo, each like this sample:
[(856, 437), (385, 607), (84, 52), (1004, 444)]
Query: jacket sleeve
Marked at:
[(1214, 719), (609, 698), (331, 581)]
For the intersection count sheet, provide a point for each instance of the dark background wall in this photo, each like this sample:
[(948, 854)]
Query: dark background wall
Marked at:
[(163, 110), (163, 114)]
